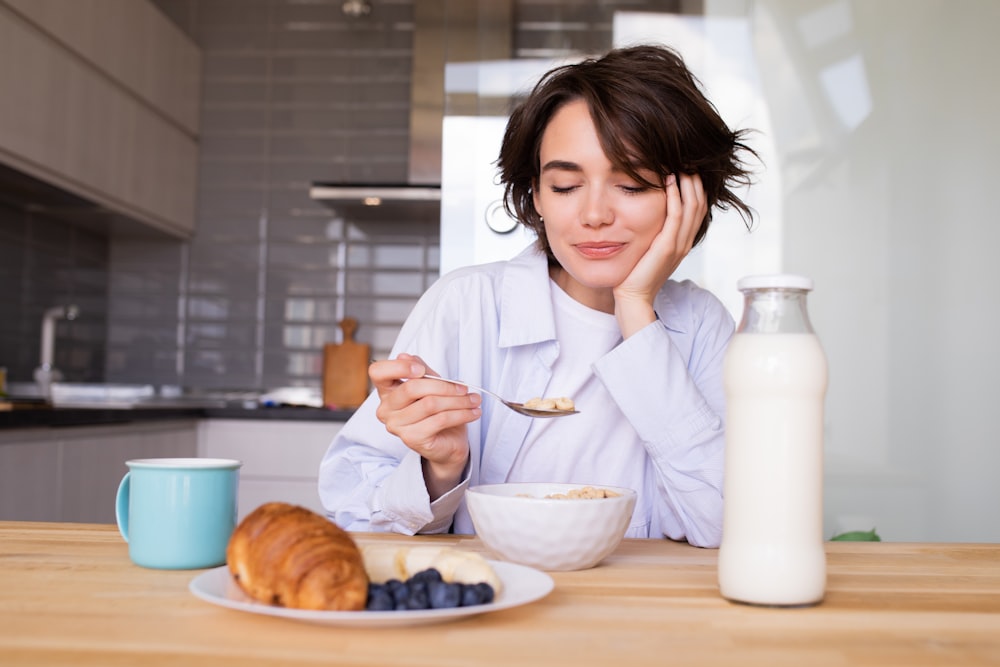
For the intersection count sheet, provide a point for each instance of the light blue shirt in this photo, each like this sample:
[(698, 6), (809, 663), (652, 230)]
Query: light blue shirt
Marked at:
[(493, 326)]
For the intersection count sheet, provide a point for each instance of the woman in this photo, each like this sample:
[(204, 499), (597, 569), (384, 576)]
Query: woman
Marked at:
[(616, 163)]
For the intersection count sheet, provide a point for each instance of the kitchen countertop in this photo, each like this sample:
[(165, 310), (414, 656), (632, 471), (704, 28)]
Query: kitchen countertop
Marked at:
[(71, 596), (27, 417)]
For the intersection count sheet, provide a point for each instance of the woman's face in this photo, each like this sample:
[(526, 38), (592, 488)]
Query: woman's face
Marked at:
[(599, 221)]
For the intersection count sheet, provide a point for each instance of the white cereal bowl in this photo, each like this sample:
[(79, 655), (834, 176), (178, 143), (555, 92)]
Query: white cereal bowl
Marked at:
[(520, 525)]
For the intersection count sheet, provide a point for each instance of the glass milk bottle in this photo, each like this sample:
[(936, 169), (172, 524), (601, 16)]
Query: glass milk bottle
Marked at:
[(775, 377)]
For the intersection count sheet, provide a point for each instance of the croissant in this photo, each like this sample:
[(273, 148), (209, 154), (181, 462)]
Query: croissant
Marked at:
[(290, 556)]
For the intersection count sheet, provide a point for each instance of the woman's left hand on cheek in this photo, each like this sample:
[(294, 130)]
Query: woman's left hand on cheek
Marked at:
[(686, 209)]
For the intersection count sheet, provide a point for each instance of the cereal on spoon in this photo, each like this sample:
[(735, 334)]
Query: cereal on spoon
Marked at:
[(561, 403)]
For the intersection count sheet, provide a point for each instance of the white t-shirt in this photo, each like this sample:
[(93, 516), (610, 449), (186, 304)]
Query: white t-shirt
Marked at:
[(566, 449)]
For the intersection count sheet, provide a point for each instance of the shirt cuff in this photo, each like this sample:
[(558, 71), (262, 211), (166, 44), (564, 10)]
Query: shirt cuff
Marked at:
[(445, 506), (406, 505)]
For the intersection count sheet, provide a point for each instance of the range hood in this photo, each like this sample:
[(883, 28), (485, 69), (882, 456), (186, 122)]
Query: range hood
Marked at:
[(442, 29), (373, 195)]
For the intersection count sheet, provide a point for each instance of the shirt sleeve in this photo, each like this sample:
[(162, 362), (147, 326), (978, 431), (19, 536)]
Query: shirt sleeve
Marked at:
[(678, 412), (368, 479)]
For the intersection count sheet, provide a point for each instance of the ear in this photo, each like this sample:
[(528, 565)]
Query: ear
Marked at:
[(535, 199)]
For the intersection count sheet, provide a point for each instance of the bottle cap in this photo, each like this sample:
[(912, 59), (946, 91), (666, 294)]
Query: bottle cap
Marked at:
[(775, 281)]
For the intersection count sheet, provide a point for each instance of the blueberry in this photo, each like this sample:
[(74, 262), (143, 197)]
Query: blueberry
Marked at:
[(485, 592), (470, 596), (473, 594), (426, 576), (380, 600), (444, 595), (400, 592), (418, 598)]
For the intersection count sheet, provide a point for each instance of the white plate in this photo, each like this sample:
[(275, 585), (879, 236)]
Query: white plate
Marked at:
[(521, 585)]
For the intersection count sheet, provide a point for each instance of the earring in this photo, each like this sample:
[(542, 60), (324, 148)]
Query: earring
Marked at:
[(541, 219)]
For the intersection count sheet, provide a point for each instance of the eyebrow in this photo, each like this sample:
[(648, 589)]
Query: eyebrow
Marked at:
[(563, 165), (566, 165)]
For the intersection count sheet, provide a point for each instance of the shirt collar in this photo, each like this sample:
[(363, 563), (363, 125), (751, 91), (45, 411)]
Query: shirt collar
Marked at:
[(526, 315), (526, 302)]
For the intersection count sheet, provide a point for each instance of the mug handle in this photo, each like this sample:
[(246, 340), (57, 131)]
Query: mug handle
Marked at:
[(121, 505)]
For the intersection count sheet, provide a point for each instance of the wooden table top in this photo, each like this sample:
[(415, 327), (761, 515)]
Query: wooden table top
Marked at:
[(70, 596)]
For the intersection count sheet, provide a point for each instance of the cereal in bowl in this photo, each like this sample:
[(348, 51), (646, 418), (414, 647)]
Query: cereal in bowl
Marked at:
[(585, 493)]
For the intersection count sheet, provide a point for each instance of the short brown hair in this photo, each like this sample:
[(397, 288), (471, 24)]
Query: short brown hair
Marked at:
[(649, 112)]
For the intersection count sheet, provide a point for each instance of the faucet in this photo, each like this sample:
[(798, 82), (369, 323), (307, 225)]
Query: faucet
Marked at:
[(45, 374)]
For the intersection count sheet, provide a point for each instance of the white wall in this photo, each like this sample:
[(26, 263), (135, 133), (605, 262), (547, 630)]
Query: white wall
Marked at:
[(879, 134)]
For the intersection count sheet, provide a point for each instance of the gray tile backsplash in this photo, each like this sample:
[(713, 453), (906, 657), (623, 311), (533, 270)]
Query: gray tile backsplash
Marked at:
[(293, 92), (46, 262)]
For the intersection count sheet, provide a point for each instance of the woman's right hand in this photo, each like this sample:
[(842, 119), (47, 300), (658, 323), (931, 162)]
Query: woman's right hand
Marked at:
[(429, 416)]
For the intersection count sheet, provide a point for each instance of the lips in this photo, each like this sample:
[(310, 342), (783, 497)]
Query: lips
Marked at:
[(598, 250)]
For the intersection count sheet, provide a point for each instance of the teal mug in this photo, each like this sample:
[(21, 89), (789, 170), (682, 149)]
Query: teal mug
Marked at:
[(178, 514)]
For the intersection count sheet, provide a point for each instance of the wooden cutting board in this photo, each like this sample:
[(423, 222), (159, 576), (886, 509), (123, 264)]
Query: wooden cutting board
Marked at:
[(345, 369)]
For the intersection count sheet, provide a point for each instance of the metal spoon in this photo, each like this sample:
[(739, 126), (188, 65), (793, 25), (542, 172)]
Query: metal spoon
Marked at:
[(516, 407)]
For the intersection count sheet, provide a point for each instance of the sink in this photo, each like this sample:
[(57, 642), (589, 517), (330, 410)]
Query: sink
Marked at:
[(24, 390), (83, 394), (113, 396), (121, 396)]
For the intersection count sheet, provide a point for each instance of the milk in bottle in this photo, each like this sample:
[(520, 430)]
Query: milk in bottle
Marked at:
[(775, 378)]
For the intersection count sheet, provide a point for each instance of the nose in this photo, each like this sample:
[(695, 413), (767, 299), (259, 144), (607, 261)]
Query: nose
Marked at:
[(597, 209)]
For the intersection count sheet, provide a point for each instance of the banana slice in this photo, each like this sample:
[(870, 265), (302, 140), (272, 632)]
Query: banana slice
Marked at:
[(466, 568), (455, 565), (380, 563), (416, 559)]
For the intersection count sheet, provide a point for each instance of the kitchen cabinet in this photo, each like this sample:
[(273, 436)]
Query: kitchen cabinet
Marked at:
[(106, 105), (280, 457), (72, 473), (129, 42)]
